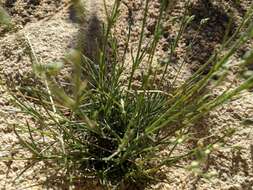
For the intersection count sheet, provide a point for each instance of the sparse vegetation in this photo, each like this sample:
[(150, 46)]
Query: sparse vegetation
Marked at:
[(99, 126), (5, 19)]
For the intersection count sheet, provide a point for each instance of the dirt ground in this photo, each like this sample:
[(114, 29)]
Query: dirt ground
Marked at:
[(50, 28)]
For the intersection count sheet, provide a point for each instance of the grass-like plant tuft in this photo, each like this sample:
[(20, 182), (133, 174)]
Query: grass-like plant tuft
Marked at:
[(99, 126)]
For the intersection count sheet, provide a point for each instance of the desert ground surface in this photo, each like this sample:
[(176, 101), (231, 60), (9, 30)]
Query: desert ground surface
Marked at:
[(52, 31)]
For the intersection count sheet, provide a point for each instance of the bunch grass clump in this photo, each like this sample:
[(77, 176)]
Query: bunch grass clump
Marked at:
[(100, 126)]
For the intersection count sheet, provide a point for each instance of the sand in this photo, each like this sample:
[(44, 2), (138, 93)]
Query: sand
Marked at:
[(52, 33)]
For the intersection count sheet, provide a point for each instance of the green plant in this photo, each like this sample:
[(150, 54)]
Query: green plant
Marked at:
[(104, 128), (5, 19)]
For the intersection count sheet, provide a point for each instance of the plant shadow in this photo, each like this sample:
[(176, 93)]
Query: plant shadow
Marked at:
[(207, 36)]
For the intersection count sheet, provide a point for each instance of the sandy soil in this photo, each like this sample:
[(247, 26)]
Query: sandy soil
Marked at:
[(52, 33)]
